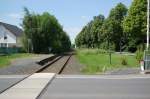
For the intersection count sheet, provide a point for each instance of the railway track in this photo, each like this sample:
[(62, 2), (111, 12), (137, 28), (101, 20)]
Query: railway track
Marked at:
[(57, 65)]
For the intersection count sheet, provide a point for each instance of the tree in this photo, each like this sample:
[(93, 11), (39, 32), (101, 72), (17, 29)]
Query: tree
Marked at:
[(29, 23), (135, 24), (95, 30), (43, 33), (113, 28), (107, 35)]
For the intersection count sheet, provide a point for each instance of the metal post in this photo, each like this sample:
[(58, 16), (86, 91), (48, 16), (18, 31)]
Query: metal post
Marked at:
[(109, 51), (110, 58), (5, 43), (148, 9), (28, 45)]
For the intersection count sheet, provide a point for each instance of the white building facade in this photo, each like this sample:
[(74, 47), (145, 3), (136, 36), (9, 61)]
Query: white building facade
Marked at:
[(9, 35)]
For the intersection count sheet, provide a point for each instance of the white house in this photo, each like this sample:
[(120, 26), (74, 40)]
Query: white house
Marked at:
[(10, 35)]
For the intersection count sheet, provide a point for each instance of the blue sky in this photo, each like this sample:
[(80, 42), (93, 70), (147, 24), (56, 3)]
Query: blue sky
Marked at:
[(72, 14)]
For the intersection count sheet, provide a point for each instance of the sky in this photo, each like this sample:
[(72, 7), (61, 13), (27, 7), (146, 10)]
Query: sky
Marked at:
[(71, 14)]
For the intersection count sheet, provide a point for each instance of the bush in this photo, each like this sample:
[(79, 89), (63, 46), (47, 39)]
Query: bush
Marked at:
[(94, 69), (93, 51), (106, 47), (139, 53), (124, 61), (101, 51)]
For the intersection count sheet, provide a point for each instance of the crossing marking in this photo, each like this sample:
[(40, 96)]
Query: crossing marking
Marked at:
[(29, 88)]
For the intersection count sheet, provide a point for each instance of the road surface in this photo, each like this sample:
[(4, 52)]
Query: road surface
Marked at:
[(98, 87), (7, 81), (82, 87)]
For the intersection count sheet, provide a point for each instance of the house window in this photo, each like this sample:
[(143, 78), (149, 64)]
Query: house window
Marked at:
[(5, 37), (3, 44)]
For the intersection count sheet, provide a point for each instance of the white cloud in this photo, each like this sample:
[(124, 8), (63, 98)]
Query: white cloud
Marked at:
[(84, 18), (15, 15), (0, 20), (72, 32)]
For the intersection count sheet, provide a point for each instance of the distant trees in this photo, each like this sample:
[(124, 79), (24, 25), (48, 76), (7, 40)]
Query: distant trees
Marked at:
[(90, 36), (123, 29), (100, 30), (43, 34)]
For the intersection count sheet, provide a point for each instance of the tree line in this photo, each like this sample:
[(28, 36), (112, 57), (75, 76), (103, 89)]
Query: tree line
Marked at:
[(124, 29), (43, 34)]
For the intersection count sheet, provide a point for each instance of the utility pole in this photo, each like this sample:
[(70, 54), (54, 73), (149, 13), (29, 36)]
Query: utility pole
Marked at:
[(146, 57), (148, 9)]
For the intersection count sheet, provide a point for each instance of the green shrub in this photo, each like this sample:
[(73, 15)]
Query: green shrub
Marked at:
[(94, 69), (92, 51), (139, 53), (106, 47), (101, 51), (124, 61)]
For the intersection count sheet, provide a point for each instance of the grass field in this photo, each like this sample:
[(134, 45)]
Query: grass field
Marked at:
[(96, 61), (6, 60)]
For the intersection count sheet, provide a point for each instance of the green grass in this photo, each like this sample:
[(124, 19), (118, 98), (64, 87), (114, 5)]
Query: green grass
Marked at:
[(97, 62), (6, 60)]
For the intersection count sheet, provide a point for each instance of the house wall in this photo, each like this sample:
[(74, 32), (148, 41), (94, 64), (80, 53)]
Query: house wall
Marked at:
[(11, 38), (19, 43)]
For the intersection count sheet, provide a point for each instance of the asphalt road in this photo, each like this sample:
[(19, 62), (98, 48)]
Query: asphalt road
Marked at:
[(98, 87), (8, 80)]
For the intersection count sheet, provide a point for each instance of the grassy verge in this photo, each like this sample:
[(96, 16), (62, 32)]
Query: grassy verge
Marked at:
[(98, 61), (6, 60)]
